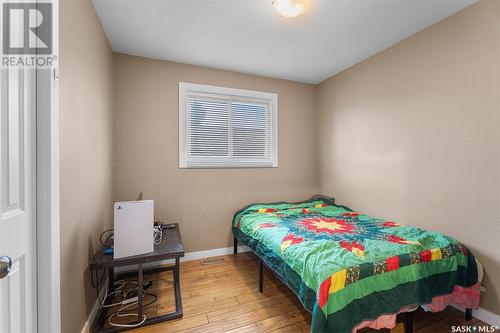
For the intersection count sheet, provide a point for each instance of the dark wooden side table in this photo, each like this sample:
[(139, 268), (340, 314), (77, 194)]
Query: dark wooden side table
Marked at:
[(170, 248)]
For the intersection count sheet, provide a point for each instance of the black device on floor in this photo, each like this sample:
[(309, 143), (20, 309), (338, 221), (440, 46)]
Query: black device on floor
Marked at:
[(145, 286)]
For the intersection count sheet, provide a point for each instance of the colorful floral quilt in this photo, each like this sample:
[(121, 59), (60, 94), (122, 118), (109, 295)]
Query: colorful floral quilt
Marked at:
[(348, 267)]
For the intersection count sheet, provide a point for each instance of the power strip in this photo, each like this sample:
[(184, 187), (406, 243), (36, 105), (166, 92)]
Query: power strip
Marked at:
[(130, 300)]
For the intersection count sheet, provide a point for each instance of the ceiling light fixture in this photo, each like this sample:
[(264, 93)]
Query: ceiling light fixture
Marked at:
[(291, 8)]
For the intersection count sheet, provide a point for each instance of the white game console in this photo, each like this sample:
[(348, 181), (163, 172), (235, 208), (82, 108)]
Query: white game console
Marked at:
[(133, 228)]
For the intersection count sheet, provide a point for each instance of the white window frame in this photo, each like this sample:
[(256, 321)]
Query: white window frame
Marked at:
[(187, 89)]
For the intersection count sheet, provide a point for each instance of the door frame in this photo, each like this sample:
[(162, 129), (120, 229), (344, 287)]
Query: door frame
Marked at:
[(47, 191)]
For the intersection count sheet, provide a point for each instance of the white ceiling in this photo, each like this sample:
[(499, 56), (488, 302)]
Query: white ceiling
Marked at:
[(248, 36)]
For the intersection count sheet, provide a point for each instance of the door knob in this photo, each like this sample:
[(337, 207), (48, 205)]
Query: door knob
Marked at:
[(5, 266)]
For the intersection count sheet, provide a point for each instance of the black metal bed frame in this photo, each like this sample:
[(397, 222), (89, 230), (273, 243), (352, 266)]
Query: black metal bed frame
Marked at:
[(408, 317)]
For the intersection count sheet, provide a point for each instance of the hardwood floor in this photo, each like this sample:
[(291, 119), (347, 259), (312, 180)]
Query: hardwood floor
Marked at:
[(224, 297)]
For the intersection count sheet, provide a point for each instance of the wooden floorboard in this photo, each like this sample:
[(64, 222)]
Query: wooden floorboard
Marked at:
[(224, 297)]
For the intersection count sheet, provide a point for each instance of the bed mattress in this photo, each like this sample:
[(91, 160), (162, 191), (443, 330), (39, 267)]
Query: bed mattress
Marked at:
[(347, 267)]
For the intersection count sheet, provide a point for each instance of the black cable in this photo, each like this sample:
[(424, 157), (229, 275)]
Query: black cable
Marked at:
[(97, 280), (94, 279), (96, 273), (103, 243)]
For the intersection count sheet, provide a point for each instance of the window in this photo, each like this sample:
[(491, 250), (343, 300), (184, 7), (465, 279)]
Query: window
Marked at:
[(224, 127)]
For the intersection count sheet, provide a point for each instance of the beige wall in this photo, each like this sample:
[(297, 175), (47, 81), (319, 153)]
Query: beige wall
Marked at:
[(86, 113), (203, 200), (413, 134)]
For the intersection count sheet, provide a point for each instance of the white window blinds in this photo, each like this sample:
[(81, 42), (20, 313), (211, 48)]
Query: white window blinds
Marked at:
[(225, 127), (208, 128)]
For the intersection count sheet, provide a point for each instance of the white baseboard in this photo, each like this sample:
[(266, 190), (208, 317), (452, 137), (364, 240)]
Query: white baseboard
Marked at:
[(188, 256), (213, 253), (95, 308), (482, 314)]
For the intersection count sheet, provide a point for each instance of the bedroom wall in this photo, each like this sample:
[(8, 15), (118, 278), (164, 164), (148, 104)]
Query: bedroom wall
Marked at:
[(413, 134), (86, 117), (203, 201)]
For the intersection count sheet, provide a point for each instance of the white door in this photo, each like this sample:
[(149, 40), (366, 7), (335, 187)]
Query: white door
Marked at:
[(17, 198)]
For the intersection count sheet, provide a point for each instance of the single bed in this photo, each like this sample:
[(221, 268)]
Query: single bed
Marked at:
[(350, 269)]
